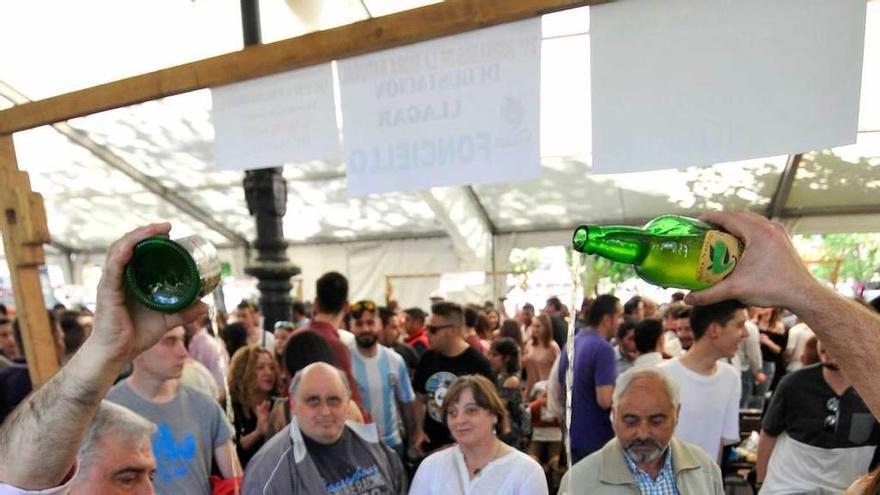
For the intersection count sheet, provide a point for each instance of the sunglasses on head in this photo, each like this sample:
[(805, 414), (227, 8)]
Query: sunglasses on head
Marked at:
[(361, 306), (284, 324)]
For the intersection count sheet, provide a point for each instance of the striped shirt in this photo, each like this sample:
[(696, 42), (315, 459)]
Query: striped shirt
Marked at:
[(384, 382), (663, 485)]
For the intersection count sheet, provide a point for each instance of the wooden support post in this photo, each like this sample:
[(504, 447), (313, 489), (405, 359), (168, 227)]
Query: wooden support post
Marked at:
[(24, 231)]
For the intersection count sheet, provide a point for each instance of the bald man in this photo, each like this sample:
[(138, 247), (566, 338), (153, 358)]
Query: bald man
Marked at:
[(319, 451)]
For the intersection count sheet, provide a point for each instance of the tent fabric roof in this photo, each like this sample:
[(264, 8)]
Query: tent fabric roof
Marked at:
[(169, 142)]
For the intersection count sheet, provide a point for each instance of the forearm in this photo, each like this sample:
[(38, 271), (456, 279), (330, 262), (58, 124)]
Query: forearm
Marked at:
[(408, 411), (851, 334), (419, 410), (227, 460), (251, 439), (40, 440), (765, 450)]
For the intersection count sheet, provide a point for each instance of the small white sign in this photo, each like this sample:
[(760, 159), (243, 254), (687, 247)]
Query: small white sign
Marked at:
[(451, 111), (694, 82), (274, 120)]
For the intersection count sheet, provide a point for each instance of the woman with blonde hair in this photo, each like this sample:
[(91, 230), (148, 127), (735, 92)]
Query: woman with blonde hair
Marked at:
[(478, 462), (253, 380)]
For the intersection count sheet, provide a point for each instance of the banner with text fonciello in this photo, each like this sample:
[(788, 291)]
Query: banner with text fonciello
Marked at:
[(451, 111)]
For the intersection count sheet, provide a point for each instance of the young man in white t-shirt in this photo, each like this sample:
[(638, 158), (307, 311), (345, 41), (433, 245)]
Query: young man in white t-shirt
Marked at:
[(710, 390)]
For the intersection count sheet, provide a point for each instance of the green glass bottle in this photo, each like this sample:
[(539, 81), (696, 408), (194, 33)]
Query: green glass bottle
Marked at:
[(669, 251), (169, 275)]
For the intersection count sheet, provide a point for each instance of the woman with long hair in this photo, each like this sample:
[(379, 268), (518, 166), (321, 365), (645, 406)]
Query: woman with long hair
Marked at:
[(773, 342), (505, 361), (478, 462), (253, 380), (511, 328), (493, 318), (540, 351)]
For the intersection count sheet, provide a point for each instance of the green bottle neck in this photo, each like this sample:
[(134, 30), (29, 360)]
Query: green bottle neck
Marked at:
[(618, 243)]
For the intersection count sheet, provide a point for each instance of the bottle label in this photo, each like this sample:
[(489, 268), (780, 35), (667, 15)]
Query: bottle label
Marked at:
[(207, 262), (718, 256)]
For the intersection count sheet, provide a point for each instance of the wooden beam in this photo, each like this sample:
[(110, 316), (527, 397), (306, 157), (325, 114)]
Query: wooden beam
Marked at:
[(23, 223), (403, 28)]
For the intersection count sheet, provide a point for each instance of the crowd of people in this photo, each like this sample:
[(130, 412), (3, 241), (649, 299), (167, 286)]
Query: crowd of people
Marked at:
[(356, 398)]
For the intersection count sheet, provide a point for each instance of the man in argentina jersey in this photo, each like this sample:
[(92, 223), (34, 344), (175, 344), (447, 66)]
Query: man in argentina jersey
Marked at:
[(382, 377)]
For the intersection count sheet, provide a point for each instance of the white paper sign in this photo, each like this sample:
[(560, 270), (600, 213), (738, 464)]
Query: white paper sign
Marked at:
[(273, 120), (695, 82), (451, 111)]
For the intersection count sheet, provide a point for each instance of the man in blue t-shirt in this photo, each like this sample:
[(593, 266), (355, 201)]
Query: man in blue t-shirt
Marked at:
[(594, 375)]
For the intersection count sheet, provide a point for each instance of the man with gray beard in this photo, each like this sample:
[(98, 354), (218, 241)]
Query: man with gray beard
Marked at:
[(644, 457)]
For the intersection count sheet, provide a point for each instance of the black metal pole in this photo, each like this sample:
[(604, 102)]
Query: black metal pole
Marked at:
[(266, 193)]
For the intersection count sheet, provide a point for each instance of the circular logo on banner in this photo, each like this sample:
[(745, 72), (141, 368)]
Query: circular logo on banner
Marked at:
[(436, 388)]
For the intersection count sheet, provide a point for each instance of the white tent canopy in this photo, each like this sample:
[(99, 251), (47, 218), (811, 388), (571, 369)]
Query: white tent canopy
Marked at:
[(103, 174)]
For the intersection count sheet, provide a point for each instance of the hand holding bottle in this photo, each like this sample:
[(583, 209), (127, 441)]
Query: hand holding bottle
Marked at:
[(124, 329), (770, 271)]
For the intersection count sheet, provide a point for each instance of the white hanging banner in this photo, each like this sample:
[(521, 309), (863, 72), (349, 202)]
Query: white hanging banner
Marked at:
[(277, 119), (452, 111), (694, 82)]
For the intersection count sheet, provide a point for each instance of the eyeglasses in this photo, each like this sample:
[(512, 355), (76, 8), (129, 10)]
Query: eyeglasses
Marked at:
[(361, 306), (436, 328), (833, 406), (284, 324)]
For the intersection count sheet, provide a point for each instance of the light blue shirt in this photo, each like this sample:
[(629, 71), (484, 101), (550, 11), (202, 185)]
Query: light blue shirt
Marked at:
[(384, 382)]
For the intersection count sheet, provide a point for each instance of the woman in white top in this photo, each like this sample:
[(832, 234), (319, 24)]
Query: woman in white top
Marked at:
[(478, 463)]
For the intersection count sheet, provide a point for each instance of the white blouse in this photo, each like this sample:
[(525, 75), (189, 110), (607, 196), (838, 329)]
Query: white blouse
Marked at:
[(445, 473)]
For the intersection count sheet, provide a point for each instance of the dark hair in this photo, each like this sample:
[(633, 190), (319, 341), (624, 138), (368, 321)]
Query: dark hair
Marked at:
[(631, 306), (683, 312), (332, 292), (648, 332), (484, 394), (74, 333), (606, 304), (584, 312), (16, 331), (305, 348), (449, 310), (497, 320), (721, 313), (672, 309), (385, 315), (470, 316), (416, 314), (528, 307), (248, 304), (234, 335), (628, 323), (554, 303), (875, 304), (677, 296), (298, 308), (510, 351), (3, 310), (482, 326), (510, 328), (811, 352), (4, 319)]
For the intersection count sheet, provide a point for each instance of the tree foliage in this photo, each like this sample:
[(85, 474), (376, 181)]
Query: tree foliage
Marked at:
[(859, 256)]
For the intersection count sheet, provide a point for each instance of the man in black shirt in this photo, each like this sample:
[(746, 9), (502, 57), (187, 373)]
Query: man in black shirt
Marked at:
[(818, 435), (449, 357)]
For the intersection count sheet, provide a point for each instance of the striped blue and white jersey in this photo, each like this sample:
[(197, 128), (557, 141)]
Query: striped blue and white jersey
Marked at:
[(384, 383)]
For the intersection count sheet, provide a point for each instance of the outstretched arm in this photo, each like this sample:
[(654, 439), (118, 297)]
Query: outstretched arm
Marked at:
[(771, 273), (40, 439)]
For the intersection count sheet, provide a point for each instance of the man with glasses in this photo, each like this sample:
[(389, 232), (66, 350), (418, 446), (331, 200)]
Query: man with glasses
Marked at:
[(449, 357), (818, 435), (382, 378)]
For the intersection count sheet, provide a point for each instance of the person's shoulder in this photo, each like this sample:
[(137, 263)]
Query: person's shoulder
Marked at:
[(194, 396), (587, 469), (681, 448), (670, 365), (729, 371), (807, 375), (270, 455), (119, 391)]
